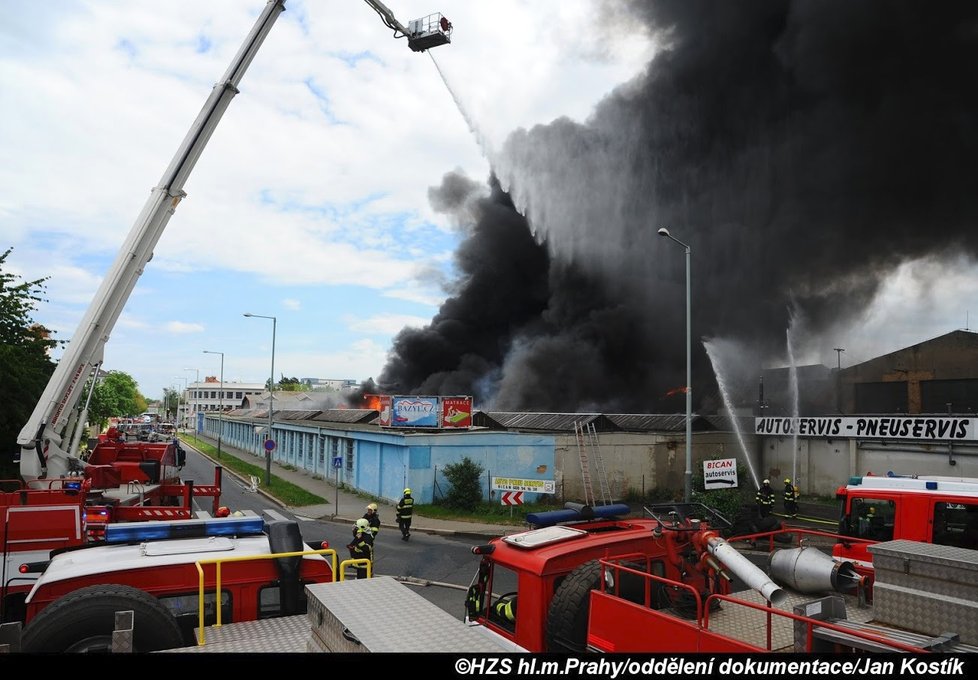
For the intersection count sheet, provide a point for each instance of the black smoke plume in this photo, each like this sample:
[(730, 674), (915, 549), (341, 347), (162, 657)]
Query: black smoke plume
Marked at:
[(803, 150)]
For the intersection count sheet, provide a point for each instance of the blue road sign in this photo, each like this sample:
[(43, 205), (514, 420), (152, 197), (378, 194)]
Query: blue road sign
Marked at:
[(269, 444), (338, 462)]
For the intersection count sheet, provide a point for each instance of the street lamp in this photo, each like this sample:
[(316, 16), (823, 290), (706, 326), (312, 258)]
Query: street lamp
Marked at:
[(838, 378), (688, 492), (196, 399), (271, 397), (220, 407)]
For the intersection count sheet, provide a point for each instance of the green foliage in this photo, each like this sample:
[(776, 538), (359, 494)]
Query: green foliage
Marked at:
[(116, 395), (24, 363), (465, 492), (290, 385)]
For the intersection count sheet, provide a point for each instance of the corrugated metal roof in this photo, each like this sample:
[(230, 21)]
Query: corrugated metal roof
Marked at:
[(347, 415), (649, 422), (297, 414), (550, 422)]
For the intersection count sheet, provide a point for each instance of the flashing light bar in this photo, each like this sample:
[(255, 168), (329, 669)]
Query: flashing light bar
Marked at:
[(551, 517), (135, 532)]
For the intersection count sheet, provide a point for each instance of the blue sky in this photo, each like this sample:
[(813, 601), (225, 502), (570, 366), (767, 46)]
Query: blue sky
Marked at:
[(310, 202)]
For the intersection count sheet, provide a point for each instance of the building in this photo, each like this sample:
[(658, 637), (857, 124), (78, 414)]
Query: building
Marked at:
[(210, 396)]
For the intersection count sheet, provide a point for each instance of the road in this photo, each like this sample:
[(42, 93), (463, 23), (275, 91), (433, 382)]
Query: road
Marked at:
[(435, 559)]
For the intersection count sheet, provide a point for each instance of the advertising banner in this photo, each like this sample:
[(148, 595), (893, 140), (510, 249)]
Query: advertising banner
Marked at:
[(384, 406), (456, 411), (872, 427), (531, 485), (414, 412)]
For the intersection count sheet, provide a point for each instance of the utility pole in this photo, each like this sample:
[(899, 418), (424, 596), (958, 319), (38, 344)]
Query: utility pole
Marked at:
[(838, 378)]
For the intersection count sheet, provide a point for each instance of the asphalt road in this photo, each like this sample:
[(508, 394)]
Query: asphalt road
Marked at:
[(445, 562)]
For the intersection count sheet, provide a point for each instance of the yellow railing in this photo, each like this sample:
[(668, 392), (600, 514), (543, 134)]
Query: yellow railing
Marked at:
[(360, 562), (218, 561)]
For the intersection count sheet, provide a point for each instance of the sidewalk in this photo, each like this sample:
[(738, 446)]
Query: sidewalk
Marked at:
[(346, 507)]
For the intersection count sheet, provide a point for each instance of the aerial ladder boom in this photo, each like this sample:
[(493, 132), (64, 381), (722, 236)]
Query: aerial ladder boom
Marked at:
[(48, 441), (44, 444)]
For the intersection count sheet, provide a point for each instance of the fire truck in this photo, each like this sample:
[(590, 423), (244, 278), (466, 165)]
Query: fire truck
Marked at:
[(64, 502), (931, 509), (669, 582)]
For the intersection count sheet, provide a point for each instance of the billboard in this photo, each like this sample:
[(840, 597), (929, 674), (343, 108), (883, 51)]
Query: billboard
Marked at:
[(933, 428), (456, 411), (414, 412)]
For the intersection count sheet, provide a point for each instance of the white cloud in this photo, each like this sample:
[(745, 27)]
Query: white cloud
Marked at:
[(289, 303), (386, 324), (182, 327)]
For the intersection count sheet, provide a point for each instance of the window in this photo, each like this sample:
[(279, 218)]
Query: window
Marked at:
[(503, 586), (238, 395), (270, 601), (871, 518), (349, 455), (184, 609), (956, 524)]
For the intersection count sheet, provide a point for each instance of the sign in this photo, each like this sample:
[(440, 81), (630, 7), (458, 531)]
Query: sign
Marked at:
[(530, 485), (414, 412), (872, 427), (456, 411), (720, 474), (338, 461), (512, 498), (269, 444)]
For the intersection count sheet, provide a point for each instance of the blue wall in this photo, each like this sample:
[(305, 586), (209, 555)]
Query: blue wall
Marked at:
[(385, 462)]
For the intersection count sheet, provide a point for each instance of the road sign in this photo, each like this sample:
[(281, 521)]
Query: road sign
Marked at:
[(512, 498), (531, 485), (720, 474), (338, 461), (269, 444)]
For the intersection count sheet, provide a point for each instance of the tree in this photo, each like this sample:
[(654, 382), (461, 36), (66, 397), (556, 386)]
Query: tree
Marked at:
[(290, 385), (116, 395), (25, 366), (466, 490)]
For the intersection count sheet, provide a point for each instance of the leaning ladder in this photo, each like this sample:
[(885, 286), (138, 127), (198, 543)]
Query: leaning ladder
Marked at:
[(598, 464), (585, 466)]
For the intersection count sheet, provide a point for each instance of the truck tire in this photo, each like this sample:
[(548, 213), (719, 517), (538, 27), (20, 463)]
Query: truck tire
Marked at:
[(569, 608), (83, 621)]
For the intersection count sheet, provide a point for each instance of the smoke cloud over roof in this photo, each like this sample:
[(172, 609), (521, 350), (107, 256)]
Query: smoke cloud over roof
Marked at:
[(803, 150)]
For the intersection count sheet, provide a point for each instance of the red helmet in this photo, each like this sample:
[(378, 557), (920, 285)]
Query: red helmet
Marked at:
[(223, 511)]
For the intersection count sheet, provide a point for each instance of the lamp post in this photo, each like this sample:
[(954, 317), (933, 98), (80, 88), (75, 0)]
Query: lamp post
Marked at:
[(271, 397), (220, 407), (688, 491), (838, 378), (196, 400)]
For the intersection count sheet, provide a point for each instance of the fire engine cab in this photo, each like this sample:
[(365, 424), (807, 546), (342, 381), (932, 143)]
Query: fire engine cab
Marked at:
[(930, 509)]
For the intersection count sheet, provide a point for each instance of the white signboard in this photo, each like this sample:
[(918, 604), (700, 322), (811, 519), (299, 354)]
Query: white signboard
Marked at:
[(531, 485), (720, 474), (872, 427)]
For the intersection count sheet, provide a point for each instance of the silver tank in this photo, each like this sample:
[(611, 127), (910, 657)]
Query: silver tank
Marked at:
[(809, 570)]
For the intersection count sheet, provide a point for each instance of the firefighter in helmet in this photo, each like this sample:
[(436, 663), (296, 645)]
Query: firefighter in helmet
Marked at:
[(790, 499), (373, 519), (362, 545), (405, 507), (765, 499), (505, 608)]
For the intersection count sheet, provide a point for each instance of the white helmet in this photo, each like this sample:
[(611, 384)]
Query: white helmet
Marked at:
[(363, 524)]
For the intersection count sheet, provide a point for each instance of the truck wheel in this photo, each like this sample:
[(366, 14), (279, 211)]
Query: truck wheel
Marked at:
[(83, 621), (569, 608)]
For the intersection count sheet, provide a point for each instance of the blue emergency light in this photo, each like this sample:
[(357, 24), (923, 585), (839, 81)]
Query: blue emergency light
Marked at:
[(135, 532)]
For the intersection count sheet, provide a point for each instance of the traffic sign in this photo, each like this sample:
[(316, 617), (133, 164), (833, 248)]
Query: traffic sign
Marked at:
[(269, 444), (512, 498), (338, 462)]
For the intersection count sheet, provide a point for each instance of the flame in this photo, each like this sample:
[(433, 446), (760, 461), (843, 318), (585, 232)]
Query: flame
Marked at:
[(676, 390)]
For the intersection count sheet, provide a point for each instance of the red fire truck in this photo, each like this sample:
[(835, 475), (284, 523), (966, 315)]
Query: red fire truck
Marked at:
[(669, 582), (163, 571), (931, 509)]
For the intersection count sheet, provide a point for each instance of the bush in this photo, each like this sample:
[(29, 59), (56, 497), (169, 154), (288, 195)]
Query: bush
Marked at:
[(466, 490)]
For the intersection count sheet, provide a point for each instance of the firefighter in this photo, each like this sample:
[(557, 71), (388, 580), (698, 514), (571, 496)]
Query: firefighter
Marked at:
[(405, 507), (790, 499), (505, 608), (362, 545), (765, 499), (373, 519)]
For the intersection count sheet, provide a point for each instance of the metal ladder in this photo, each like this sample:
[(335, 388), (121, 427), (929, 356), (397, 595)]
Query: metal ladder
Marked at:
[(585, 466), (589, 453), (603, 485)]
